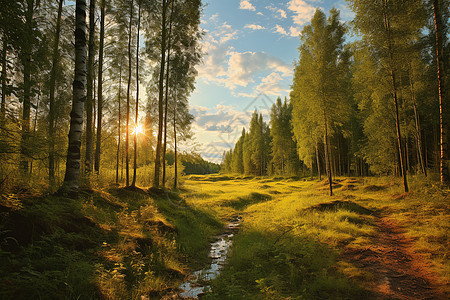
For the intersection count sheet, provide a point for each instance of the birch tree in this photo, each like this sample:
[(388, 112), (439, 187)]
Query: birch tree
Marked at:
[(71, 179)]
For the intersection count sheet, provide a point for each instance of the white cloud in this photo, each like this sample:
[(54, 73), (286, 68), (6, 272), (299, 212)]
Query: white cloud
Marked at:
[(245, 4), (216, 47), (225, 33), (260, 13), (302, 11), (272, 85), (278, 12), (214, 18), (242, 67), (247, 95), (254, 27), (280, 30), (295, 31), (282, 13), (221, 118)]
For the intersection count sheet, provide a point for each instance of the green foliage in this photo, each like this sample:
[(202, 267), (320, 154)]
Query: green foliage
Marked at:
[(193, 163), (321, 94), (265, 267), (284, 149), (252, 151)]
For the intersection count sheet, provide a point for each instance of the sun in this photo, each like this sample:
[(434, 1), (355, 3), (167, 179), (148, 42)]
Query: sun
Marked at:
[(139, 129)]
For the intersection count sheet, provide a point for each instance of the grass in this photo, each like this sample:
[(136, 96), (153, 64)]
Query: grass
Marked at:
[(117, 243), (293, 232), (112, 243)]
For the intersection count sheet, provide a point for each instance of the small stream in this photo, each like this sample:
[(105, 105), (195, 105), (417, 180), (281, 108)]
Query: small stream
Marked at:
[(197, 283)]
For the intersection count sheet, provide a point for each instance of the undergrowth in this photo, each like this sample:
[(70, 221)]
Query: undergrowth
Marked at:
[(114, 243)]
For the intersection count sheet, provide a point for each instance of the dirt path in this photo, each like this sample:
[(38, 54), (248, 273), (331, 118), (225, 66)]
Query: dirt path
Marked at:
[(398, 271)]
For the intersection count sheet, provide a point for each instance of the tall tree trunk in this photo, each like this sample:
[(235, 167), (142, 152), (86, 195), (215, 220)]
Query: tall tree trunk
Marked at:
[(175, 180), (36, 111), (327, 157), (4, 66), (137, 96), (119, 125), (318, 161), (408, 166), (72, 176), (98, 144), (167, 98), (417, 123), (88, 163), (161, 96), (51, 115), (26, 117), (394, 94), (445, 177), (127, 134)]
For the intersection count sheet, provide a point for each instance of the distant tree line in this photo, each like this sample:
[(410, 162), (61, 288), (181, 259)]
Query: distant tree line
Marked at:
[(193, 163), (120, 45), (378, 105), (265, 150)]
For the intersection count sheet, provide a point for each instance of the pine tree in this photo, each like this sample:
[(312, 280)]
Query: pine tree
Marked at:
[(317, 87), (389, 28), (51, 115), (443, 104), (90, 92), (285, 158), (98, 144)]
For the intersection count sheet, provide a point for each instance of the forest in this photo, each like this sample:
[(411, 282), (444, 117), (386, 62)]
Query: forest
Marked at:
[(113, 133), (375, 106), (343, 193)]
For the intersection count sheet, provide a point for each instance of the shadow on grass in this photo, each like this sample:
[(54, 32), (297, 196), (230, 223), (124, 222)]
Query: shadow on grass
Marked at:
[(265, 266), (106, 244), (47, 250), (253, 198), (338, 204)]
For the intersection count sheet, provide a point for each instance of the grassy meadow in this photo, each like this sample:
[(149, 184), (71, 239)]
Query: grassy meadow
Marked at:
[(293, 235), (294, 242)]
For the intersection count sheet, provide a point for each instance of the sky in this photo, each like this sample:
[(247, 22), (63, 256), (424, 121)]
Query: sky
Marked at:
[(250, 48)]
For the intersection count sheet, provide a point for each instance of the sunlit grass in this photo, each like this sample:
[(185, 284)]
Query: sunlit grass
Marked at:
[(289, 210)]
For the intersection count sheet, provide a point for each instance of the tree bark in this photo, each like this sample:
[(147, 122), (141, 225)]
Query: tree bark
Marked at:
[(137, 96), (26, 117), (36, 111), (445, 177), (417, 123), (318, 162), (98, 144), (88, 165), (51, 115), (4, 66), (72, 175), (394, 94), (161, 96), (327, 157), (127, 134), (119, 123), (175, 180), (166, 99)]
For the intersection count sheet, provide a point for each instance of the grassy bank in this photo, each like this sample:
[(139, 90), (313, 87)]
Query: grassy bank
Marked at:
[(112, 244), (294, 237)]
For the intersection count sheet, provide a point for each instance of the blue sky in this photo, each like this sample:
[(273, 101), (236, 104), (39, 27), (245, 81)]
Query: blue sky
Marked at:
[(250, 49)]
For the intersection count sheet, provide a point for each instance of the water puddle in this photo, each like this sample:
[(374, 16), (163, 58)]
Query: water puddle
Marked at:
[(197, 283)]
